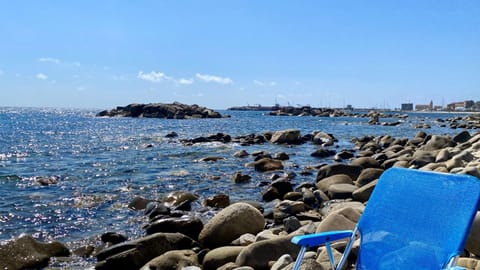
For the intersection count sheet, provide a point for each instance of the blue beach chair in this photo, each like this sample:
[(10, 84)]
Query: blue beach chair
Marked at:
[(413, 220)]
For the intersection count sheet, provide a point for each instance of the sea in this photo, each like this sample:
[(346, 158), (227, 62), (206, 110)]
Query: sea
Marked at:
[(96, 166)]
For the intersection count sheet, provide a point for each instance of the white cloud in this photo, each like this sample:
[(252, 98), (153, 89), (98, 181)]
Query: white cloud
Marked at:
[(153, 76), (185, 81), (41, 76), (49, 60), (215, 79), (260, 83)]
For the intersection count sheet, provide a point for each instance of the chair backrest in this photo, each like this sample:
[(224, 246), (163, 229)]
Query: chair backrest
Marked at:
[(416, 219)]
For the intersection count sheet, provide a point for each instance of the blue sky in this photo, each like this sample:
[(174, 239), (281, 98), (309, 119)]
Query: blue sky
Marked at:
[(100, 54)]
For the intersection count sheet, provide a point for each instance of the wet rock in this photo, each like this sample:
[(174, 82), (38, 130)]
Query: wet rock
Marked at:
[(46, 181), (113, 238), (25, 252), (259, 254), (323, 153), (218, 201), (221, 256), (189, 226), (323, 139), (267, 164), (154, 209), (345, 154), (175, 259), (174, 110), (241, 154), (288, 136), (172, 134), (210, 159), (239, 178), (291, 224), (177, 198), (281, 156), (230, 223), (134, 254), (139, 203), (332, 169)]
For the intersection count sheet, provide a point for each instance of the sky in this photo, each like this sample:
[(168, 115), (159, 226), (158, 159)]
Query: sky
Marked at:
[(102, 54)]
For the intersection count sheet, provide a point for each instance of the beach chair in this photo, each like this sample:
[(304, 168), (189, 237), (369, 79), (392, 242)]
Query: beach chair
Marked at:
[(413, 220)]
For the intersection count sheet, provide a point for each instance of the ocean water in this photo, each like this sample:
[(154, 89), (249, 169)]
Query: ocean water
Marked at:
[(101, 164)]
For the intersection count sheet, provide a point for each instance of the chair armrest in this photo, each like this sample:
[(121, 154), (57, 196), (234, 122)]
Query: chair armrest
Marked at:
[(316, 239)]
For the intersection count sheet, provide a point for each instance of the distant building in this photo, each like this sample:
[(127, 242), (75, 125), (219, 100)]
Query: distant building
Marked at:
[(469, 104), (407, 106), (422, 107), (456, 106), (349, 107)]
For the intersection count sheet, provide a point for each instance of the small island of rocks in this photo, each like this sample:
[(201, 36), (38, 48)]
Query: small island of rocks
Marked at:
[(173, 110)]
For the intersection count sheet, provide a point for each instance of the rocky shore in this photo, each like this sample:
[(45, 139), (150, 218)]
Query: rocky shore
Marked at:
[(174, 110), (223, 234)]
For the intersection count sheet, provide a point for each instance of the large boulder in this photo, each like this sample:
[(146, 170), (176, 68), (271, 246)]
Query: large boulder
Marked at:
[(231, 223), (136, 253), (288, 136), (438, 142), (259, 254), (368, 175), (25, 252), (174, 259)]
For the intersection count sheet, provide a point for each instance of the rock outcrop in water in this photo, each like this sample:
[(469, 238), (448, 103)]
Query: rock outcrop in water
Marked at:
[(174, 110)]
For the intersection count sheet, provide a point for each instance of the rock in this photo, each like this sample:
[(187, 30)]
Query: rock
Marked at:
[(113, 238), (323, 153), (422, 158), (291, 224), (368, 175), (139, 203), (210, 159), (218, 201), (282, 262), (443, 155), (187, 225), (172, 134), (462, 137), (175, 259), (325, 183), (287, 208), (438, 142), (344, 154), (288, 136), (220, 256), (259, 254), (363, 193), (473, 241), (323, 139), (267, 164), (324, 260), (468, 263), (343, 219), (178, 198), (230, 223), (239, 178), (241, 154), (283, 186), (25, 252), (365, 162), (155, 209), (174, 110), (136, 253), (281, 156), (351, 170), (341, 191)]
